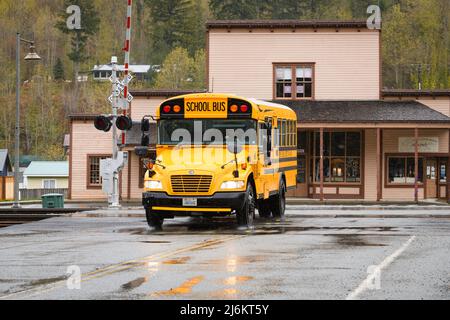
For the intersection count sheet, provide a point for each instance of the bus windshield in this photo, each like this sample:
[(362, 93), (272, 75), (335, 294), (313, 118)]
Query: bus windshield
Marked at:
[(206, 131)]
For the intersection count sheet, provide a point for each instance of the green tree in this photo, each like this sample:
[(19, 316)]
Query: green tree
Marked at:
[(174, 23), (58, 70), (234, 9), (177, 71), (79, 37)]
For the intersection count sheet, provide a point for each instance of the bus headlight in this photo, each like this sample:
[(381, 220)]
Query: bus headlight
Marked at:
[(153, 185), (232, 185)]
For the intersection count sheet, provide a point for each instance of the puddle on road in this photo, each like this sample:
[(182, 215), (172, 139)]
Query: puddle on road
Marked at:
[(184, 289), (231, 228), (181, 260), (354, 240), (156, 241), (234, 280), (134, 284), (41, 282)]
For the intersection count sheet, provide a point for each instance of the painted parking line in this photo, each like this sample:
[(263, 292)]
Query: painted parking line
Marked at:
[(367, 283)]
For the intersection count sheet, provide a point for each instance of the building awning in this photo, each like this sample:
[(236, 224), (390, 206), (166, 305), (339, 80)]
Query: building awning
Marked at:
[(372, 112)]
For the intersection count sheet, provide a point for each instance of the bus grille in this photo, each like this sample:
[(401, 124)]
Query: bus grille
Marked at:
[(190, 184)]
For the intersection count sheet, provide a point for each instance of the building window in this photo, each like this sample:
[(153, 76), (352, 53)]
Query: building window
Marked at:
[(342, 157), (283, 82), (294, 81), (49, 184), (402, 170), (93, 174)]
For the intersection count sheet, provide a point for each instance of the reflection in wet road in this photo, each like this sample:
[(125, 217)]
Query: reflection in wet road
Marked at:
[(300, 258)]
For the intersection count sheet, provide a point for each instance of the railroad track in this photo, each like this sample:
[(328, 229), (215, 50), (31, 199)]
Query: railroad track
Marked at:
[(7, 220)]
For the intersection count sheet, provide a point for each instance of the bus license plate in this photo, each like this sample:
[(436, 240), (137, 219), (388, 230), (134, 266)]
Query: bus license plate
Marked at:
[(189, 202)]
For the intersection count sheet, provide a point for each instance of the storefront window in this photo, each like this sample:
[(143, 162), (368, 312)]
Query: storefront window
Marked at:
[(443, 173), (402, 170), (342, 157)]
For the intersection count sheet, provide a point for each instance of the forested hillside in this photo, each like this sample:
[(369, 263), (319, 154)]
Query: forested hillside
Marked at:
[(415, 34)]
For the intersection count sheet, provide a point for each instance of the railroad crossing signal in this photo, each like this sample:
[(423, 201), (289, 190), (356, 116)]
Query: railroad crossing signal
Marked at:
[(104, 123), (119, 92)]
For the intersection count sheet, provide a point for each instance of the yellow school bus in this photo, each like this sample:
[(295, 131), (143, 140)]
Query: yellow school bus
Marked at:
[(220, 154)]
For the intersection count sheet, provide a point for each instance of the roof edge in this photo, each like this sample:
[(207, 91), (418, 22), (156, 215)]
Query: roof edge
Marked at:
[(163, 92), (283, 24), (416, 93)]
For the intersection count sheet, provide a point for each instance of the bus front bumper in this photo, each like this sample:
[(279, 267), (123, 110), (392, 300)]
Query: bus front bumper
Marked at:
[(221, 203)]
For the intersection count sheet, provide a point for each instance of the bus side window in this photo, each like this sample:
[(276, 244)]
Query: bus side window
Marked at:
[(261, 137)]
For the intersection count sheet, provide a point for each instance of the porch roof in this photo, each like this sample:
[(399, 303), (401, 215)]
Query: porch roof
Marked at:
[(373, 111)]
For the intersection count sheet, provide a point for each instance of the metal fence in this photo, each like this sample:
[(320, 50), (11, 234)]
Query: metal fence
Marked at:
[(36, 194)]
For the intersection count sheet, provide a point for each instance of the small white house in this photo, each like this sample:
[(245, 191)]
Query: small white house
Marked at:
[(103, 72), (46, 175)]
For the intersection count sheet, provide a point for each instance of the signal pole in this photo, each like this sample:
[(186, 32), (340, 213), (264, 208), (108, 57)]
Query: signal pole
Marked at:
[(114, 201), (120, 100)]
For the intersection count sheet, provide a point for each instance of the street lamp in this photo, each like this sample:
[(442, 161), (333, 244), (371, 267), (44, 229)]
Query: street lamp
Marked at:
[(31, 56)]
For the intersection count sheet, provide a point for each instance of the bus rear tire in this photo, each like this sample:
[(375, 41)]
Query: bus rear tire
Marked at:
[(278, 202), (245, 216), (264, 209), (153, 220)]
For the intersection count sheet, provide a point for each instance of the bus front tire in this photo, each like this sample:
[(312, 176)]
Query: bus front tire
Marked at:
[(153, 220), (278, 202), (264, 209), (245, 216)]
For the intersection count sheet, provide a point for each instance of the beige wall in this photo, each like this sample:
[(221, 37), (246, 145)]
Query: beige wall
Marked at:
[(391, 138), (143, 106), (86, 140), (347, 62), (36, 182)]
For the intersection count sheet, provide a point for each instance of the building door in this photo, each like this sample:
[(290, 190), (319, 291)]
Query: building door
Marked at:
[(431, 179), (302, 161)]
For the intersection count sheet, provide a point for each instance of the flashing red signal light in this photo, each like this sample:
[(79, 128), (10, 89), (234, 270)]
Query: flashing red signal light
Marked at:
[(244, 108), (124, 123), (166, 109), (102, 123)]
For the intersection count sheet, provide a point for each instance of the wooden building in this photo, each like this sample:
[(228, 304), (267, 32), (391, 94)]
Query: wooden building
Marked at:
[(356, 140)]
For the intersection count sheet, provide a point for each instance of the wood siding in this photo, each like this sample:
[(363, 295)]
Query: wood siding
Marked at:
[(141, 107), (347, 63), (86, 140)]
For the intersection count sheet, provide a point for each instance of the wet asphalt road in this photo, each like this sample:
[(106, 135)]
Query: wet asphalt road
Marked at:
[(301, 258)]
